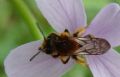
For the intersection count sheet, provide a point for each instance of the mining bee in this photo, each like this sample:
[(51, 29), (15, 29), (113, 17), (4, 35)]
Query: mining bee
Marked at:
[(66, 46)]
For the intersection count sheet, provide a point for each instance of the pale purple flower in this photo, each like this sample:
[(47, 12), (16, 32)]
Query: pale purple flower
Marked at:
[(69, 14)]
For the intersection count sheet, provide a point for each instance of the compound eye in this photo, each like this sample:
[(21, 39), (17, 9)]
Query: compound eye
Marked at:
[(49, 37), (48, 50)]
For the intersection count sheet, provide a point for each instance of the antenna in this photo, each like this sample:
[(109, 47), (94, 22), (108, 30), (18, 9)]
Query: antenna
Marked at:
[(41, 31), (34, 56), (39, 48)]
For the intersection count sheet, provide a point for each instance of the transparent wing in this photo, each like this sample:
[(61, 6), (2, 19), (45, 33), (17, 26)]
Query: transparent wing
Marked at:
[(107, 25), (17, 63)]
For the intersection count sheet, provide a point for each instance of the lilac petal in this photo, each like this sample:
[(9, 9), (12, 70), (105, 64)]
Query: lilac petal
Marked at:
[(106, 65), (17, 63), (107, 24), (63, 14)]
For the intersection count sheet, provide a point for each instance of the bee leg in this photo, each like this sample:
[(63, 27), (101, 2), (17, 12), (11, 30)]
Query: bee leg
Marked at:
[(66, 30), (64, 59), (79, 32), (55, 55), (80, 60), (66, 33)]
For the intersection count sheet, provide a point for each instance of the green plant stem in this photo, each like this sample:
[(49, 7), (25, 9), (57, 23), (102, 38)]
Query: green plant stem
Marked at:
[(27, 16), (37, 14)]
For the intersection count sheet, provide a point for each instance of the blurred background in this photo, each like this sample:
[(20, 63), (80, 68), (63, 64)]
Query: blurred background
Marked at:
[(14, 29)]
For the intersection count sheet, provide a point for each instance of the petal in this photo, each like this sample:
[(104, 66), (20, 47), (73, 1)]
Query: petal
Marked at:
[(63, 14), (107, 65), (107, 24), (17, 63)]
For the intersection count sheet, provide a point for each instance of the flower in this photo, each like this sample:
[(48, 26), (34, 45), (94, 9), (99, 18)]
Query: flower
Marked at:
[(64, 14)]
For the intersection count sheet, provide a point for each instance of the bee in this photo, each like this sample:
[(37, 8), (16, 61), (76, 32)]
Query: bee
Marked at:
[(66, 46)]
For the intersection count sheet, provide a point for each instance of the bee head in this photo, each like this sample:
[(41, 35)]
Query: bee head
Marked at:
[(49, 44)]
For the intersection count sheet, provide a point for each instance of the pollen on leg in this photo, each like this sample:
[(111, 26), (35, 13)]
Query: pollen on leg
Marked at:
[(65, 33), (80, 60), (64, 59), (79, 32)]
